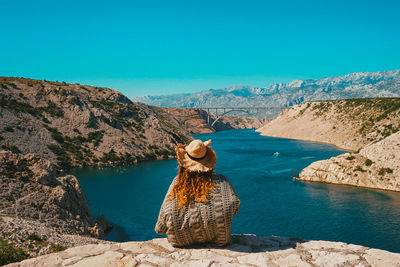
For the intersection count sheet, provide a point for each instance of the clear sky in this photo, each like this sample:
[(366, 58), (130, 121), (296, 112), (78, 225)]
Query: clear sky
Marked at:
[(162, 47)]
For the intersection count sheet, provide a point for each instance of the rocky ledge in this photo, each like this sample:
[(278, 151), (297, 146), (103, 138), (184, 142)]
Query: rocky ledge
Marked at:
[(376, 166), (245, 250)]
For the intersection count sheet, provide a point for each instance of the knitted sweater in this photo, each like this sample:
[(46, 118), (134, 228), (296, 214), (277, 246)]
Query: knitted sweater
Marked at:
[(200, 222)]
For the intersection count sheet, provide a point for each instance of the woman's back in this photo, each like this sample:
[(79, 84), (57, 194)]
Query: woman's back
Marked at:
[(200, 222)]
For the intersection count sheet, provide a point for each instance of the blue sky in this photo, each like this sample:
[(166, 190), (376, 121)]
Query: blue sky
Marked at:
[(162, 47)]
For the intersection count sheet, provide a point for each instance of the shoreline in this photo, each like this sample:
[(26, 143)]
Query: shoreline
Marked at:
[(308, 140), (352, 185)]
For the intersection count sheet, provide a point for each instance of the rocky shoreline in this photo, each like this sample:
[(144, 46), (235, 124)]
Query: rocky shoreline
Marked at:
[(376, 166), (369, 127), (245, 250)]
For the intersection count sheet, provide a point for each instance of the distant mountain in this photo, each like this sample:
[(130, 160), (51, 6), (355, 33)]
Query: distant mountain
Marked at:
[(355, 85)]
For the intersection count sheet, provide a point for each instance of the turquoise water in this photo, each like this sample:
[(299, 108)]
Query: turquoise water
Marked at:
[(272, 203)]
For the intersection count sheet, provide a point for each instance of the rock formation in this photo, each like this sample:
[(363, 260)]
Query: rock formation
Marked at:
[(375, 166), (369, 126), (350, 124), (245, 250), (33, 191)]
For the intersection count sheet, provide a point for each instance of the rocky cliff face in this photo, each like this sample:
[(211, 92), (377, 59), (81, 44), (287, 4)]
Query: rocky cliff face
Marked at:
[(245, 250), (376, 166), (355, 85), (350, 124), (32, 189)]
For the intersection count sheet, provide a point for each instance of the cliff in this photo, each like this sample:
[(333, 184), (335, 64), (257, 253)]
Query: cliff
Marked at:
[(350, 124), (376, 166), (37, 201), (245, 250)]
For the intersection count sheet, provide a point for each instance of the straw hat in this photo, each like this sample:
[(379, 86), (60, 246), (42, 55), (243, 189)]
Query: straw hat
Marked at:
[(197, 156)]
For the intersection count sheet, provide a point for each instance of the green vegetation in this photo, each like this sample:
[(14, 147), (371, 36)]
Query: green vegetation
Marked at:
[(22, 107), (63, 159), (359, 168), (74, 101), (34, 237), (84, 88), (368, 162), (350, 157), (9, 253), (53, 110), (95, 137), (57, 247), (72, 151), (55, 134), (8, 129), (92, 123), (12, 148), (382, 171), (11, 171), (126, 115), (114, 158), (372, 114)]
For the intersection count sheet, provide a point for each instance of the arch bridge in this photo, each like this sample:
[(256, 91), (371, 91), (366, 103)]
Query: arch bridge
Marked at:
[(226, 110)]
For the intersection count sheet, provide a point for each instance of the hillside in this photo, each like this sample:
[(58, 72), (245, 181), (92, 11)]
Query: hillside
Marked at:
[(376, 166), (350, 124), (77, 125), (355, 85)]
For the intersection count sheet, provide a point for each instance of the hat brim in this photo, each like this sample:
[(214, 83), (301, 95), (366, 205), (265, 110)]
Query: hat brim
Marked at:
[(203, 165)]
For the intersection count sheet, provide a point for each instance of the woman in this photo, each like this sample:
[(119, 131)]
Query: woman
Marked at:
[(200, 204)]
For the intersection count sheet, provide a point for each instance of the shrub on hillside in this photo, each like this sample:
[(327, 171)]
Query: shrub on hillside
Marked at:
[(9, 253)]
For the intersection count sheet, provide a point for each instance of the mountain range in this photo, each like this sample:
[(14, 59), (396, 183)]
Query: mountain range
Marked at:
[(354, 85)]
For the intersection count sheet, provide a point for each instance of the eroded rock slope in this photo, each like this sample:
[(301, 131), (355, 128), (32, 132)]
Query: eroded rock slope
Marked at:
[(376, 166), (350, 124)]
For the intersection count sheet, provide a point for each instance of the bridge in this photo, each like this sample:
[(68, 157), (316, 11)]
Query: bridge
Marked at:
[(226, 110)]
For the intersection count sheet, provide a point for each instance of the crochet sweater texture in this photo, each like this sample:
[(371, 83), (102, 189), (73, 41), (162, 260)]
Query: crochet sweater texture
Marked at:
[(200, 222)]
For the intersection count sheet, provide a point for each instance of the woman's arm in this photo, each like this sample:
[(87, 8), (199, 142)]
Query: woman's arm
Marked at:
[(161, 225)]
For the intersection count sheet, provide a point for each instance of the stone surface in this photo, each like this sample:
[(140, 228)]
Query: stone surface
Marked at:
[(245, 250)]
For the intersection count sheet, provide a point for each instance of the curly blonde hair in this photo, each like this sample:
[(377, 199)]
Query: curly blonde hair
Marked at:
[(191, 186)]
